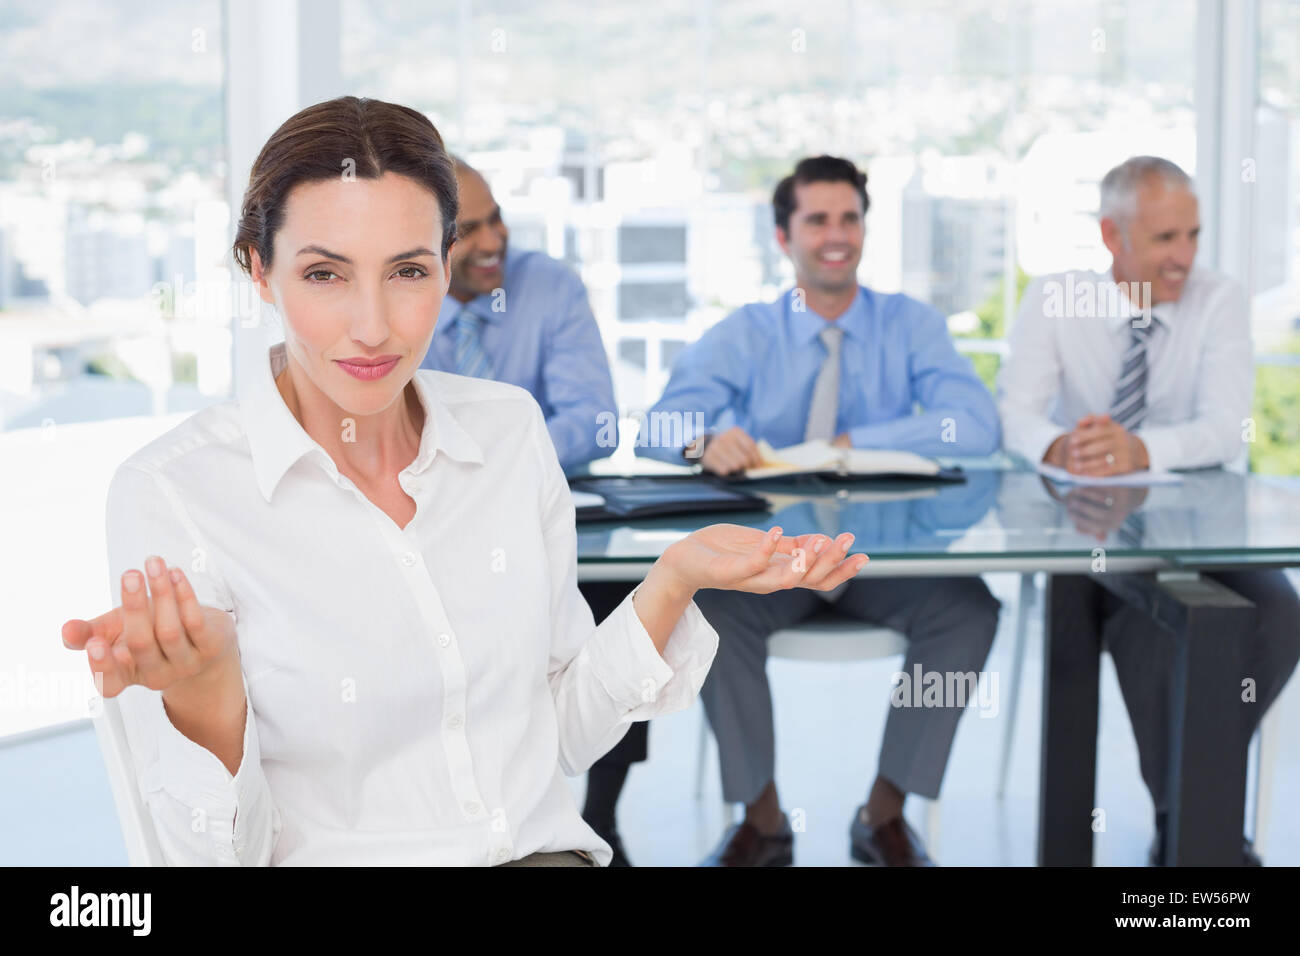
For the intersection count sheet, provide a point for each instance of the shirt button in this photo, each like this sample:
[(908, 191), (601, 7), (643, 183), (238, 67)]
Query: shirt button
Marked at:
[(444, 640), (409, 558), (455, 722), (472, 808), (502, 855)]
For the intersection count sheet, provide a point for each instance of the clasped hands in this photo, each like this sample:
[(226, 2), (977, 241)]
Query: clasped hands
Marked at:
[(1098, 446)]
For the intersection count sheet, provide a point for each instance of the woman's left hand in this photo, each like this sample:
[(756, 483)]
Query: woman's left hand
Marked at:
[(736, 558)]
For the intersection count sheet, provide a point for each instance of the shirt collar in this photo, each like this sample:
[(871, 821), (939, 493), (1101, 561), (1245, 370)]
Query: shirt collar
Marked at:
[(805, 326), (451, 306), (1159, 316), (276, 440), (1127, 311)]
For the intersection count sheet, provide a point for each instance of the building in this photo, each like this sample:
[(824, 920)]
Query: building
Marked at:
[(955, 213)]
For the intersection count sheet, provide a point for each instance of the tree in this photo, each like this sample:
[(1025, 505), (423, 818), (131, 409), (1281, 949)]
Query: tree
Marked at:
[(1276, 449), (992, 325)]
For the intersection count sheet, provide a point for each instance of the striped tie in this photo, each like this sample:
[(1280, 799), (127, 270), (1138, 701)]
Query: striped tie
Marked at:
[(1130, 405), (1133, 530), (471, 358)]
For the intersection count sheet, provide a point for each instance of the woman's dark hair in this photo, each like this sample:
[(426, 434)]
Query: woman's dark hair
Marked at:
[(347, 136), (816, 169)]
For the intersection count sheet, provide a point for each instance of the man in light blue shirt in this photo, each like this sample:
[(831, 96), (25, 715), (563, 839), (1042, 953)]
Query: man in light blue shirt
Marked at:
[(755, 370), (752, 376), (522, 317), (831, 360)]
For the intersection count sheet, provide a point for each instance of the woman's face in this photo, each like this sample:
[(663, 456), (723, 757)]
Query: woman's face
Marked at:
[(357, 277)]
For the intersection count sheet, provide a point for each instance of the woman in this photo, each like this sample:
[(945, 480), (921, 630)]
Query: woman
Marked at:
[(377, 651)]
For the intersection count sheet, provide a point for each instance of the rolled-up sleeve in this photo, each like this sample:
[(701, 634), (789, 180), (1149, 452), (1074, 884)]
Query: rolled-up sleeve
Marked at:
[(202, 815), (604, 678), (640, 679)]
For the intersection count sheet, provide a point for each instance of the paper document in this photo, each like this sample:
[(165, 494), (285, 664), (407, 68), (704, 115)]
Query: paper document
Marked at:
[(1061, 476)]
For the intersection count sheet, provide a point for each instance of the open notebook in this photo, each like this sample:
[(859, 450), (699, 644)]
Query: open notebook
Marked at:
[(828, 461)]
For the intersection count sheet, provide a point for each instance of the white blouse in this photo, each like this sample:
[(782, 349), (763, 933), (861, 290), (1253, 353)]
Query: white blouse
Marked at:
[(415, 694)]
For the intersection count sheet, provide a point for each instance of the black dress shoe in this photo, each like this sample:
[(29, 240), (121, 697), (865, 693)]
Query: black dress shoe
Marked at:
[(745, 845), (892, 843)]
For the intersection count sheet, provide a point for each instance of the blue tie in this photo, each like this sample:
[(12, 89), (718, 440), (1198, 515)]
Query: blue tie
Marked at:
[(471, 358)]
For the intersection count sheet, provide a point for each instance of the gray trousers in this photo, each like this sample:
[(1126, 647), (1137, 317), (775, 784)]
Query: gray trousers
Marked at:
[(949, 624), (1143, 653)]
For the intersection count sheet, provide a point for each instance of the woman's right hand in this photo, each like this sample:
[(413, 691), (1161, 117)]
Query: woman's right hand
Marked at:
[(161, 638)]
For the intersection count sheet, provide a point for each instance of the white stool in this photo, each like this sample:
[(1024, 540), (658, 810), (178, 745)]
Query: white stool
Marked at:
[(1024, 607)]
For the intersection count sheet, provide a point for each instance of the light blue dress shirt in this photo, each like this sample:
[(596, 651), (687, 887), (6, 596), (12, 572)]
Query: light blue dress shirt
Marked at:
[(903, 385), (540, 334)]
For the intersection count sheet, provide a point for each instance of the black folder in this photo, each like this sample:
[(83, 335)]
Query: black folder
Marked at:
[(653, 496), (952, 475)]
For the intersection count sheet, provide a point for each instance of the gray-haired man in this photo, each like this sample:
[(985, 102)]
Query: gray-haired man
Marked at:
[(1148, 365)]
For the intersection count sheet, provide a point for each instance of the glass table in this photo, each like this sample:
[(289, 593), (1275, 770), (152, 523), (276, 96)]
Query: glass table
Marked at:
[(1147, 545)]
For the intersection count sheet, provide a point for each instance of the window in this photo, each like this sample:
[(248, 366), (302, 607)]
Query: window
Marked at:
[(113, 246), (984, 128), (1273, 175), (113, 220)]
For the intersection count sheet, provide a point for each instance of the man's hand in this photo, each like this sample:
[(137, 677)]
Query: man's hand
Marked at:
[(843, 441), (1056, 451), (730, 452), (167, 641), (1098, 446)]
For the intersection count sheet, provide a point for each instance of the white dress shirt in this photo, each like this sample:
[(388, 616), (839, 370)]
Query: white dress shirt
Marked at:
[(1066, 357), (416, 694)]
